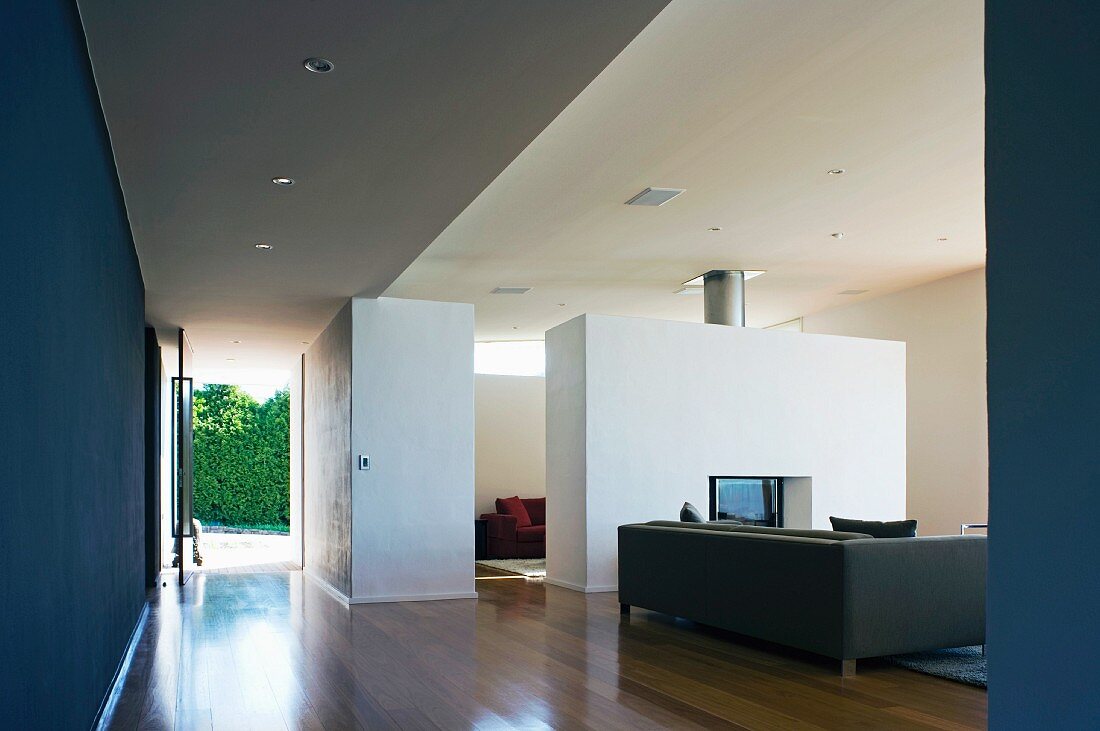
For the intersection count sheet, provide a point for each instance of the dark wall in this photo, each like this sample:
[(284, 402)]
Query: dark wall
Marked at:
[(71, 361), (326, 453), (154, 375), (1043, 281)]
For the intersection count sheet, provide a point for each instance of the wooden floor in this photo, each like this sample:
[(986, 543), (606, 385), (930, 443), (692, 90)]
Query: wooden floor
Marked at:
[(273, 651), (263, 568)]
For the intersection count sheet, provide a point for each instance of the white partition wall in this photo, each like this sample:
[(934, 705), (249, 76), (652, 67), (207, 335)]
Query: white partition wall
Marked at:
[(566, 456), (392, 380), (413, 415), (943, 326), (640, 413)]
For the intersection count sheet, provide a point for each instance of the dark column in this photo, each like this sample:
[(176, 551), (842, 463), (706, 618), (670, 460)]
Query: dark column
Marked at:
[(1043, 237), (152, 457)]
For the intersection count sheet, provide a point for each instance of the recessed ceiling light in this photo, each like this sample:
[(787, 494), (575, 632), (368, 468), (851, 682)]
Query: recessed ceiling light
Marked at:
[(654, 196), (942, 238), (305, 342), (318, 65), (836, 171), (283, 181), (235, 342), (854, 291), (715, 228), (511, 290), (838, 235), (231, 360), (264, 247), (515, 327), (561, 304)]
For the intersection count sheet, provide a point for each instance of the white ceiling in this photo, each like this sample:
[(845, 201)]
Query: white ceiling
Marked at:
[(473, 127), (428, 102), (746, 105)]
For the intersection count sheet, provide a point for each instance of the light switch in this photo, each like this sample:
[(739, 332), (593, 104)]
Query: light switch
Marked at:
[(364, 461)]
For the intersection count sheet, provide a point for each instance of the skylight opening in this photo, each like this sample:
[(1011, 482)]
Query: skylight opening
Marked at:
[(511, 358)]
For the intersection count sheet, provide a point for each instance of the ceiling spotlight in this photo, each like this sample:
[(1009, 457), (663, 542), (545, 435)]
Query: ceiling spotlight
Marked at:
[(836, 171), (561, 304), (715, 228), (283, 181), (515, 327), (318, 65), (235, 342), (264, 247), (231, 360), (305, 342), (838, 235), (942, 238)]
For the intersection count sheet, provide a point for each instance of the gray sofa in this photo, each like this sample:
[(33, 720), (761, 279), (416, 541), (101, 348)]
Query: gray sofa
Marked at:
[(842, 595)]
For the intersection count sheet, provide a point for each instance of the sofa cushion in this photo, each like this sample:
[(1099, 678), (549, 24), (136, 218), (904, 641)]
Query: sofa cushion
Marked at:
[(531, 534), (827, 535), (877, 528), (514, 506), (690, 514), (536, 508)]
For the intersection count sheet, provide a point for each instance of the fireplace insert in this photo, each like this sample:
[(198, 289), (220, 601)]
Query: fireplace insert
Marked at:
[(749, 500)]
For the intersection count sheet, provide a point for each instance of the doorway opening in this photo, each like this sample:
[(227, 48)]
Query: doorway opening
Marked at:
[(222, 464), (510, 460), (242, 477)]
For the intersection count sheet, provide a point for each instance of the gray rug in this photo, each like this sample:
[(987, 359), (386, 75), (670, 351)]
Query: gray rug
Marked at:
[(530, 567), (961, 664)]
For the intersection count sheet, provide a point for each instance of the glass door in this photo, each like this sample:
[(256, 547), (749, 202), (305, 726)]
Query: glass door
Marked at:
[(747, 500), (183, 495)]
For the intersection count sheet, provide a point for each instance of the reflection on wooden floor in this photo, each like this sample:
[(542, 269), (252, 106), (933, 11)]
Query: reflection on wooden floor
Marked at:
[(274, 651), (263, 568)]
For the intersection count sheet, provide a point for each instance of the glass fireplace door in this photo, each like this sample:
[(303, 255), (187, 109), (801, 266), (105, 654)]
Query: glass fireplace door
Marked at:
[(748, 500)]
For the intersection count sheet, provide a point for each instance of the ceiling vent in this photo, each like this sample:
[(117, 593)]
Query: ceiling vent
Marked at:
[(654, 196), (511, 290)]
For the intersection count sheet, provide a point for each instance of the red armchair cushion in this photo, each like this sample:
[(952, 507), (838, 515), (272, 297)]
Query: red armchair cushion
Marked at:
[(500, 526), (514, 506), (531, 534), (536, 508)]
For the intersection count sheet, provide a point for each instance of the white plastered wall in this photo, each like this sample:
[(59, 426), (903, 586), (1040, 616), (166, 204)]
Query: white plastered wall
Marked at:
[(943, 326), (641, 412), (413, 414)]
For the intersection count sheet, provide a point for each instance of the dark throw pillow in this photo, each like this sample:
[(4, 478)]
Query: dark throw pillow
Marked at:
[(876, 528), (690, 514), (515, 507)]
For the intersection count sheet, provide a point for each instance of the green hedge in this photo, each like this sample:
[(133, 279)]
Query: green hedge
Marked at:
[(242, 457)]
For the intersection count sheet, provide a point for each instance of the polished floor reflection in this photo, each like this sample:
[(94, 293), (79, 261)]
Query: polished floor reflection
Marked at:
[(273, 651)]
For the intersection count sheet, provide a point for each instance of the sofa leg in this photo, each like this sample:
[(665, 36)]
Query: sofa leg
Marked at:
[(624, 608), (847, 668)]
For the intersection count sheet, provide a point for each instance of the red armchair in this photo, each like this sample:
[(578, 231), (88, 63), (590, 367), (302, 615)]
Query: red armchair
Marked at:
[(518, 528)]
